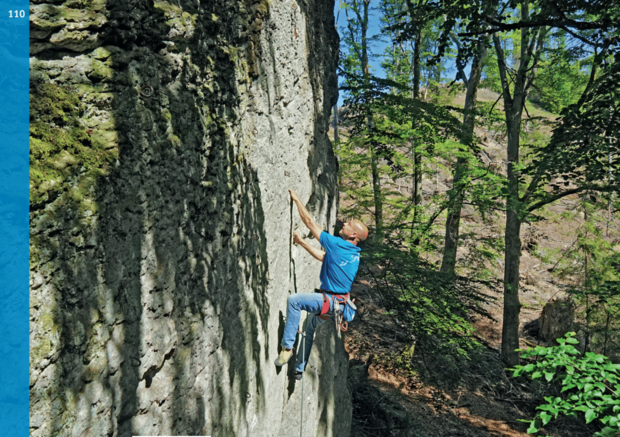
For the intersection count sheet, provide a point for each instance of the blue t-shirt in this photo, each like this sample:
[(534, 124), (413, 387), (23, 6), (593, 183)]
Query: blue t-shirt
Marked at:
[(340, 264)]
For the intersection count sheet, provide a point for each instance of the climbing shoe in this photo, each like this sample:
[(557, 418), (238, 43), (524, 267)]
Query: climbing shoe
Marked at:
[(299, 375), (284, 357)]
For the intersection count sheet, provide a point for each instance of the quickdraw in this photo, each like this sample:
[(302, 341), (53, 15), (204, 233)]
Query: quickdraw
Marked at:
[(295, 18)]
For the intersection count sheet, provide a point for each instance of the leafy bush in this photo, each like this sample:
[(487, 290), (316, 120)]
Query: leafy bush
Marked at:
[(590, 385)]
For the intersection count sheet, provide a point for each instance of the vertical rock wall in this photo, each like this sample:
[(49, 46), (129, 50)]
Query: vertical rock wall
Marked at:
[(164, 136)]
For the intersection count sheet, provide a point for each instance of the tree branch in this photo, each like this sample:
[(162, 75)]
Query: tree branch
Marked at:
[(537, 50), (600, 188), (563, 23), (458, 64), (595, 64), (501, 63)]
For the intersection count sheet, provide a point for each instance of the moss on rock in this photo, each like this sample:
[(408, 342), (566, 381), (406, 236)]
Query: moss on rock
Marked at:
[(51, 17), (60, 147), (180, 22)]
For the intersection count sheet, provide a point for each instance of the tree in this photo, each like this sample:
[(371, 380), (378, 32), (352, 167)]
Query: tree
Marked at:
[(583, 149), (453, 219), (514, 102), (357, 41)]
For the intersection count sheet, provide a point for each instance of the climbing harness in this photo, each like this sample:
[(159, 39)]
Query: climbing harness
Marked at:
[(342, 316)]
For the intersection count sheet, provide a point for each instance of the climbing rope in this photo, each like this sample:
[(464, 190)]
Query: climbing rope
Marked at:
[(303, 352)]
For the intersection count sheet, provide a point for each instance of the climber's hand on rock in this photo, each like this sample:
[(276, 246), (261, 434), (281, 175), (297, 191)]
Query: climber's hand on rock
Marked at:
[(296, 238)]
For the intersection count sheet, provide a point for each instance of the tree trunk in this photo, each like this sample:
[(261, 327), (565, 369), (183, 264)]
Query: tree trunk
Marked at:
[(512, 306), (513, 109), (374, 158), (336, 138), (453, 220), (376, 189), (416, 197)]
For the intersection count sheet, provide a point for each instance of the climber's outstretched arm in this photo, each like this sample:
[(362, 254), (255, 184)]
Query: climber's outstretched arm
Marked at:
[(306, 217), (317, 253)]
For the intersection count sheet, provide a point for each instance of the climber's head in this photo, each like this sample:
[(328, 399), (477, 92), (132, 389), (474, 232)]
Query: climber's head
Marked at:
[(354, 231)]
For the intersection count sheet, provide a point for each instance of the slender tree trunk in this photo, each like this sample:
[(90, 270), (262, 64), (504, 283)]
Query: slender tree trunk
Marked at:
[(513, 108), (606, 332), (512, 306), (453, 220), (586, 285), (376, 188), (416, 197), (336, 138), (374, 158)]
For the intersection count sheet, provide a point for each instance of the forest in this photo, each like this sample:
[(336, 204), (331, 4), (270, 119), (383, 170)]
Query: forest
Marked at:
[(484, 154)]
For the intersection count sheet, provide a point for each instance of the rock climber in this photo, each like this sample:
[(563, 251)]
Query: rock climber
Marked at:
[(340, 262)]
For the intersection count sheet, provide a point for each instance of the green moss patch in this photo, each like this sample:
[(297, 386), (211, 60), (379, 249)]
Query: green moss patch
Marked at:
[(52, 17), (176, 16), (60, 147)]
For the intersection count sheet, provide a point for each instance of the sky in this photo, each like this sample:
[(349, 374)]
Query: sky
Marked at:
[(377, 47)]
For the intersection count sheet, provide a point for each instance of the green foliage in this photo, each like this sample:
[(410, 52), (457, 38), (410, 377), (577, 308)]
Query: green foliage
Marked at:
[(431, 305), (583, 153), (590, 264), (404, 127), (561, 77), (590, 385), (60, 146)]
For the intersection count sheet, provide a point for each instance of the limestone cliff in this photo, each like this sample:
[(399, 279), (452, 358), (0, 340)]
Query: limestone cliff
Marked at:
[(164, 136)]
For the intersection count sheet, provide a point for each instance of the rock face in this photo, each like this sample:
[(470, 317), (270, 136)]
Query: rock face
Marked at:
[(164, 136), (556, 319)]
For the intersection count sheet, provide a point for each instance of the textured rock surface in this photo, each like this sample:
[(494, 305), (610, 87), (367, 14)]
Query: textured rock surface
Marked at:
[(164, 137), (556, 319)]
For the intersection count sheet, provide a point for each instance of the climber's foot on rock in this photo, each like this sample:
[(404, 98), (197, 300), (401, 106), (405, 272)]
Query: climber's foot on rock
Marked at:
[(284, 356)]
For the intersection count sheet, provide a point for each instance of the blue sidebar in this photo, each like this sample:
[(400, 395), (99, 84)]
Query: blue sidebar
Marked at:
[(14, 208)]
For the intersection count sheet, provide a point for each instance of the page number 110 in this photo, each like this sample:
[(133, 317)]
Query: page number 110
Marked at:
[(17, 14)]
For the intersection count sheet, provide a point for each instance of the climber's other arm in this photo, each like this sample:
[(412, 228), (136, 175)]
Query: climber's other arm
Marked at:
[(317, 253), (306, 217)]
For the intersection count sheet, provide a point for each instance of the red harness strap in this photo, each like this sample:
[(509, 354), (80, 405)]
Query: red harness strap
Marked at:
[(325, 307), (342, 298)]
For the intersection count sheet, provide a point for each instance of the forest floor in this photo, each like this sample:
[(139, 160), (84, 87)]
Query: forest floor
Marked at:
[(436, 395), (439, 395)]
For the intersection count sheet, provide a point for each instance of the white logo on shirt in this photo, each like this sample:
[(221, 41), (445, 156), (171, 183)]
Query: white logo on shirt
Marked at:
[(354, 259)]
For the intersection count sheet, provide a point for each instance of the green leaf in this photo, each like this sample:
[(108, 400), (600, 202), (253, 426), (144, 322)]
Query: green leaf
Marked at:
[(545, 417), (533, 427), (590, 415), (605, 432)]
